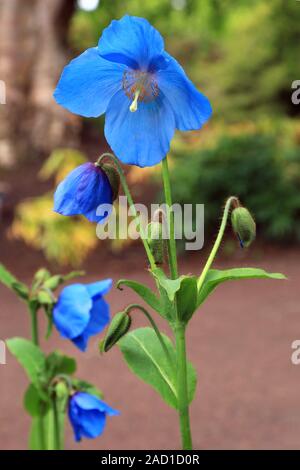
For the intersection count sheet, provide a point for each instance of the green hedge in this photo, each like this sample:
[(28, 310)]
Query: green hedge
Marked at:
[(253, 167)]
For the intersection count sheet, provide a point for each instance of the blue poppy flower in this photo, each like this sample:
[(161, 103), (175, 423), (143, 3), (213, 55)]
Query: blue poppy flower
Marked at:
[(83, 191), (81, 311), (144, 91), (87, 415)]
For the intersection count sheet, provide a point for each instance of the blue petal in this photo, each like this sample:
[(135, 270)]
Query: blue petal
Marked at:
[(87, 401), (92, 423), (71, 314), (99, 318), (141, 138), (190, 107), (131, 41), (99, 288), (82, 192), (87, 84), (89, 422), (74, 417)]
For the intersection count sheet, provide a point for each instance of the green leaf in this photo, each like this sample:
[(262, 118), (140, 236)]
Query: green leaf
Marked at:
[(187, 298), (33, 403), (57, 363), (31, 358), (144, 292), (185, 289), (215, 277), (12, 283), (145, 357), (171, 286)]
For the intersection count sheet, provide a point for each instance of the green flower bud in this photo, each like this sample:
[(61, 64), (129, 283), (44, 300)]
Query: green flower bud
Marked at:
[(53, 282), (61, 390), (118, 327), (243, 225), (113, 177), (41, 275), (45, 298), (154, 232)]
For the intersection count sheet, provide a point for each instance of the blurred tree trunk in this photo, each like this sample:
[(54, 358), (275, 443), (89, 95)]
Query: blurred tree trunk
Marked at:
[(33, 51)]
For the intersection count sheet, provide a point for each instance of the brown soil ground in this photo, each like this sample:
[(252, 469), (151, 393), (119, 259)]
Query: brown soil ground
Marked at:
[(240, 343)]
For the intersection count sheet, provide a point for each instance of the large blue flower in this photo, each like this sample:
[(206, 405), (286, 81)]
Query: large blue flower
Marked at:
[(81, 311), (88, 415), (144, 92), (83, 191)]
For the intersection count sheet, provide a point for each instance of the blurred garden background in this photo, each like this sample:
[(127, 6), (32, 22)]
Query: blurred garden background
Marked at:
[(244, 56)]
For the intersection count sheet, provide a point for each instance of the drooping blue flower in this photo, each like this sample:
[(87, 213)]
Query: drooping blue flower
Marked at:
[(85, 189), (87, 415), (144, 91), (81, 311)]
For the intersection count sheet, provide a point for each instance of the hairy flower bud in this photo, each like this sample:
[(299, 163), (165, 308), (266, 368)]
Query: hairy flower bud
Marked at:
[(118, 327), (61, 390), (243, 225), (113, 177), (154, 232), (41, 275)]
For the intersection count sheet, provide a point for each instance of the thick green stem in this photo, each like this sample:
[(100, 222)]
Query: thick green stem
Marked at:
[(130, 203), (35, 339), (170, 219), (179, 328), (216, 246), (56, 429), (183, 405)]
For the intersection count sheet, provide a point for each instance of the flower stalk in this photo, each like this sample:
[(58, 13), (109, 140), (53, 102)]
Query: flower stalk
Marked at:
[(179, 328), (33, 310), (130, 202)]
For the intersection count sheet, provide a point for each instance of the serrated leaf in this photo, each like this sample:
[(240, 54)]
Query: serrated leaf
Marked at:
[(144, 292), (31, 358), (215, 277), (145, 357)]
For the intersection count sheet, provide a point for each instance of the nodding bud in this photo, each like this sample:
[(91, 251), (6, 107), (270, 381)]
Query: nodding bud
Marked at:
[(243, 225), (118, 327), (154, 233), (61, 390), (42, 275), (113, 177)]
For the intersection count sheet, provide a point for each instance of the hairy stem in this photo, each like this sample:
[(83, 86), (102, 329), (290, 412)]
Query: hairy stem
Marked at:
[(183, 406), (231, 200), (35, 339), (170, 219), (179, 328), (131, 204)]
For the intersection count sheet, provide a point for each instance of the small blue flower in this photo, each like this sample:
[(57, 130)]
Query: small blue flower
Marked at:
[(81, 311), (88, 415), (144, 91), (83, 191)]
